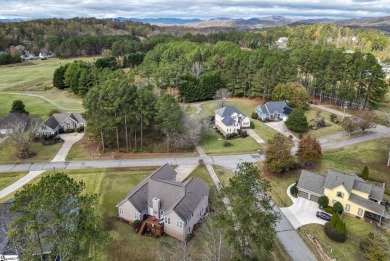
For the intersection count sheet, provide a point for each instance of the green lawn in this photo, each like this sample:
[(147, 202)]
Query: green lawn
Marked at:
[(352, 159), (9, 178), (356, 229), (213, 145), (32, 70), (279, 184), (8, 153), (332, 129), (34, 105)]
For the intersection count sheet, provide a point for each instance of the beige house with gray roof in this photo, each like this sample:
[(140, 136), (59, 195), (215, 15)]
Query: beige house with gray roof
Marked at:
[(358, 197), (160, 200), (60, 121)]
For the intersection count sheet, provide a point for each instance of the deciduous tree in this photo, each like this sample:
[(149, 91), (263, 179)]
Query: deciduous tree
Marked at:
[(278, 157), (309, 150)]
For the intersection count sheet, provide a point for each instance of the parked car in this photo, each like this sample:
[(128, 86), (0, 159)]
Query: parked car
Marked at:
[(323, 215)]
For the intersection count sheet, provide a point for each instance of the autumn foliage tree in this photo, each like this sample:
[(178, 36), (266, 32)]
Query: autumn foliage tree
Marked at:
[(366, 120), (293, 92), (278, 157), (309, 150)]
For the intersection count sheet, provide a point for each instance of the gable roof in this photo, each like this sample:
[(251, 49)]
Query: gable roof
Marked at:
[(274, 106), (228, 111), (335, 179), (58, 118), (371, 205), (182, 198), (311, 181)]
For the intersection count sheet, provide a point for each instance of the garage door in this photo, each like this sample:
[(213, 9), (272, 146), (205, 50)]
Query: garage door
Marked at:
[(314, 198), (303, 194)]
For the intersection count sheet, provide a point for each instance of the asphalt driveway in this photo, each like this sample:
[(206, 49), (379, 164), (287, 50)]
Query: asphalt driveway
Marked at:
[(302, 212)]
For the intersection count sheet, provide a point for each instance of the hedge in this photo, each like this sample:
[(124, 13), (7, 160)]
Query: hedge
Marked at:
[(332, 234)]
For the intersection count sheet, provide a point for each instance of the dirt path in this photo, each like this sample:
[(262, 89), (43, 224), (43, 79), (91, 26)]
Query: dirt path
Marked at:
[(44, 98)]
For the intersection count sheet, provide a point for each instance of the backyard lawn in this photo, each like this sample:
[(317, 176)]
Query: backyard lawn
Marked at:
[(332, 129), (8, 153), (213, 145), (356, 230)]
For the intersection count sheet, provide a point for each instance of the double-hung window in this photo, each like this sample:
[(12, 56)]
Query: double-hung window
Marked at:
[(167, 220)]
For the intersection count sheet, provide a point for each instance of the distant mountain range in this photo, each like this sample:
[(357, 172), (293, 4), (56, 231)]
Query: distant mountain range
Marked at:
[(380, 23)]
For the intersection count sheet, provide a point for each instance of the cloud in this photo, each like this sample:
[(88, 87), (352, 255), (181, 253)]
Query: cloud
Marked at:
[(204, 9)]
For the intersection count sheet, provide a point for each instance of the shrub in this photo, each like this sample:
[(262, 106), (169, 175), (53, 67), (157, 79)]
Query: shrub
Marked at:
[(227, 144), (329, 210), (337, 207), (333, 117), (254, 115), (69, 131), (80, 129), (252, 125), (243, 134), (323, 201), (332, 233), (239, 131), (136, 224), (365, 173), (294, 191), (335, 218)]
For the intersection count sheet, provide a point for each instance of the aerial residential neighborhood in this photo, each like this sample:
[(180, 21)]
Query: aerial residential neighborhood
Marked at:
[(232, 131)]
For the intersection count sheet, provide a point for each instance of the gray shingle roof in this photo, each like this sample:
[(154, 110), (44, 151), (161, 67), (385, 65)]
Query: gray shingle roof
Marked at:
[(335, 179), (274, 106), (371, 205), (377, 193), (10, 119), (311, 181), (362, 186), (51, 122), (195, 190), (180, 197), (228, 111), (58, 118)]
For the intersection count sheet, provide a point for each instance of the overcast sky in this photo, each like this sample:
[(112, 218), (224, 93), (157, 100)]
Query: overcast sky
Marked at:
[(203, 9)]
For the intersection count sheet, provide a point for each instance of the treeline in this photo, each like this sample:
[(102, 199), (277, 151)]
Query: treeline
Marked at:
[(8, 59), (324, 70), (49, 34), (119, 114)]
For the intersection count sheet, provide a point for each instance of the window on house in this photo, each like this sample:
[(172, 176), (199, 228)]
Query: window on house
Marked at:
[(179, 224), (120, 210), (360, 212), (347, 207), (137, 215), (167, 220), (340, 194), (161, 213)]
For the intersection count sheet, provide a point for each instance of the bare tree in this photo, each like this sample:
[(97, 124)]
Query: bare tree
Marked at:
[(21, 132), (222, 95), (176, 251), (192, 131)]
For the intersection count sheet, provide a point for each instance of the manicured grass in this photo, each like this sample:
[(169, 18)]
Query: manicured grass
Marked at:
[(7, 179), (332, 129), (32, 70), (213, 145), (188, 109), (279, 184), (8, 153), (352, 159), (34, 105), (223, 174), (356, 230)]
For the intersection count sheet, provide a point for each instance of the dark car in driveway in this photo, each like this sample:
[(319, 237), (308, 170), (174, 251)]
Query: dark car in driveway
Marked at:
[(323, 215)]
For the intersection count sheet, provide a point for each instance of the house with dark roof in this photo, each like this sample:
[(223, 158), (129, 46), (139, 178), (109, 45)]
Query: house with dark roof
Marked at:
[(60, 121), (228, 120), (358, 197), (10, 122), (163, 204), (274, 110)]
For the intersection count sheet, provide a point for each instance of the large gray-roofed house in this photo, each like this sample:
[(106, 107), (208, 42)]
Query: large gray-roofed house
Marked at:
[(60, 121), (357, 196), (175, 205), (273, 110), (229, 120)]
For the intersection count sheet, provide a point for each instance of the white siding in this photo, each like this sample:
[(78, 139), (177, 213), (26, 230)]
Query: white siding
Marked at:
[(171, 229)]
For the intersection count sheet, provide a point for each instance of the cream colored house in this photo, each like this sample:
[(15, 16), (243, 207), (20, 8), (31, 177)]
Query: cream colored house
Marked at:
[(229, 120), (358, 197), (162, 201)]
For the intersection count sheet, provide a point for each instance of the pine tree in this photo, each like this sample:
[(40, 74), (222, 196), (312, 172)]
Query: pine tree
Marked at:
[(365, 173), (297, 121), (18, 107)]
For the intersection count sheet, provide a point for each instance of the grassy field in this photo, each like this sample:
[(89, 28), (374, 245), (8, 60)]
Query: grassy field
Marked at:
[(32, 70), (213, 145), (8, 153), (356, 230), (7, 179), (223, 174), (332, 129)]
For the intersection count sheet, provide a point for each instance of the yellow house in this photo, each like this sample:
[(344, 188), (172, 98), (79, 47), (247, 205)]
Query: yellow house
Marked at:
[(358, 197)]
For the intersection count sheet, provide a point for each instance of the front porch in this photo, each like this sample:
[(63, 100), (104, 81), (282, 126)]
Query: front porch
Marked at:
[(151, 226)]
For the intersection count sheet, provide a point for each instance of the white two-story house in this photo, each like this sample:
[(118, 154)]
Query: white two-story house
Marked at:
[(228, 120)]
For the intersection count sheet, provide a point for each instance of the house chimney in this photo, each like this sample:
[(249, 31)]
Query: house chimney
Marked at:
[(156, 207)]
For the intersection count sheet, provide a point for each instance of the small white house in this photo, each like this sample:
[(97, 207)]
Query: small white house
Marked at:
[(59, 121), (228, 120)]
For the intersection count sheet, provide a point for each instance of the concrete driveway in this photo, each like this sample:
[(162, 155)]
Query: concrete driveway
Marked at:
[(280, 127), (302, 212), (69, 140)]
